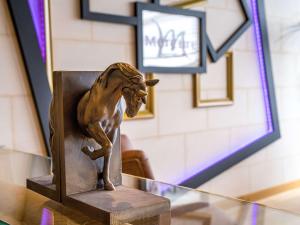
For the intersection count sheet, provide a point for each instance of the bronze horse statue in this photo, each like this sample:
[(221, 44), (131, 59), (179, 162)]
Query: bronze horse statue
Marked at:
[(99, 111)]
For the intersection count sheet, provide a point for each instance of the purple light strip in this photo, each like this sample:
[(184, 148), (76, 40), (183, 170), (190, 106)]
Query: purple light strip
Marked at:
[(262, 69), (47, 217), (254, 214), (38, 17), (263, 75)]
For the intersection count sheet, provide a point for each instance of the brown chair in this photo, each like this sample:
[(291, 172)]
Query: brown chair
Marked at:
[(134, 162)]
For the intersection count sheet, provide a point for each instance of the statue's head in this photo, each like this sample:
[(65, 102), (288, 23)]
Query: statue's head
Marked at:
[(134, 86), (135, 95)]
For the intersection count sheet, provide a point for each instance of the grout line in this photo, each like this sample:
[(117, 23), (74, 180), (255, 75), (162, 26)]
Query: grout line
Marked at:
[(13, 122), (93, 41), (14, 95), (198, 131)]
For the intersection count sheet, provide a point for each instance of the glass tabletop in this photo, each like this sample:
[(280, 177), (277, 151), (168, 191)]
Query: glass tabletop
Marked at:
[(19, 205)]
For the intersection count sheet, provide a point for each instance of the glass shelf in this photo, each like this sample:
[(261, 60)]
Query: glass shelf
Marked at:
[(19, 205)]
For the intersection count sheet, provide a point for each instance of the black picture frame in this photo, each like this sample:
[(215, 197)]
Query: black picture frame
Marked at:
[(87, 14), (140, 7), (216, 54)]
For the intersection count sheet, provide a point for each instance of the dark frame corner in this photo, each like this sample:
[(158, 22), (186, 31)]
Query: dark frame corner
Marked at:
[(215, 54), (87, 14)]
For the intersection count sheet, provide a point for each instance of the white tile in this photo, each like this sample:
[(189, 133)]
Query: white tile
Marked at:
[(251, 40), (207, 186), (170, 82), (27, 133), (6, 174), (288, 102), (233, 182), (205, 148), (217, 31), (187, 82), (130, 54), (298, 64), (140, 128), (6, 122), (66, 22), (234, 5), (255, 159), (244, 135), (284, 69), (275, 33), (288, 144), (177, 115), (290, 35), (214, 94), (256, 107), (123, 7), (13, 78), (111, 32), (242, 43), (216, 4), (246, 70), (292, 168), (216, 75), (84, 55), (286, 9), (229, 116), (266, 175), (166, 156)]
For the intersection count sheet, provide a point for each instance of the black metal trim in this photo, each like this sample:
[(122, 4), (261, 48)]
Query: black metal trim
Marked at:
[(214, 170), (34, 66), (87, 14), (170, 10), (104, 17), (215, 54)]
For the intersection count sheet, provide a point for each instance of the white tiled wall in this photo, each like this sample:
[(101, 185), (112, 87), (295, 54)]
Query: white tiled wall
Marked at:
[(279, 162), (19, 127), (180, 138)]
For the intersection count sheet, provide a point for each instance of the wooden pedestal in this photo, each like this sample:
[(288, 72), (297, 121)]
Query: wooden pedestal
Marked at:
[(76, 174)]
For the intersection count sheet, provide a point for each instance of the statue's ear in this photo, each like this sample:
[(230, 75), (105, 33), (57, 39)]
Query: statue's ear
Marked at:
[(151, 83)]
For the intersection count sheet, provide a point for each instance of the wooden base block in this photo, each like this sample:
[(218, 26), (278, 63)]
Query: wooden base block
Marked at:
[(43, 185), (125, 205)]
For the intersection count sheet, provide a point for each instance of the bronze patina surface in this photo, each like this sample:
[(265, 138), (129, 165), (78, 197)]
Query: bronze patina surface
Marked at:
[(100, 114)]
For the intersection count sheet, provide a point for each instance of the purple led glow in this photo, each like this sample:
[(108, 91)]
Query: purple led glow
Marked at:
[(47, 217), (254, 214), (263, 75), (262, 69), (38, 17)]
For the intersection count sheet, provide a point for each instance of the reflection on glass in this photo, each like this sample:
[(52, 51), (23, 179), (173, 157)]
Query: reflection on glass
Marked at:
[(170, 40), (188, 206)]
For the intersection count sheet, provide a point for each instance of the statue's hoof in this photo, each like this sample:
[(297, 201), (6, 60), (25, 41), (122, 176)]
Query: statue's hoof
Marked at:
[(109, 186)]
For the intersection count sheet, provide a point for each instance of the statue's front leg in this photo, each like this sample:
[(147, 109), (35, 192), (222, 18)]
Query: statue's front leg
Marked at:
[(96, 132), (107, 183)]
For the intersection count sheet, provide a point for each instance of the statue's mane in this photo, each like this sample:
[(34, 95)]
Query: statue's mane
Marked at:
[(128, 71)]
